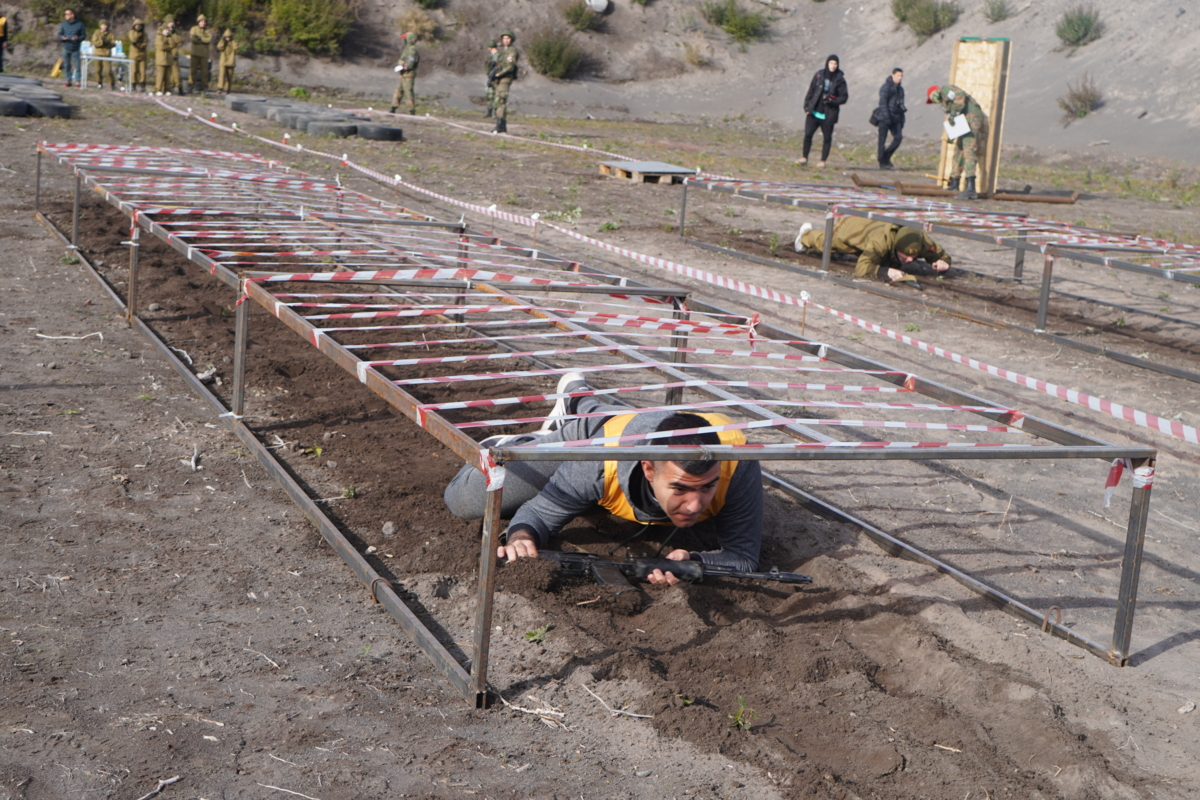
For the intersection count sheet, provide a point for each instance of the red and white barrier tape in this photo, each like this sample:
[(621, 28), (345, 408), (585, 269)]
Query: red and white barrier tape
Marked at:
[(1141, 418), (1143, 477)]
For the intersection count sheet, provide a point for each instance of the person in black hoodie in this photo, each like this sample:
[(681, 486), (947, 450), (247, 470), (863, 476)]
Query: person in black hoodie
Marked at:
[(891, 116), (826, 94)]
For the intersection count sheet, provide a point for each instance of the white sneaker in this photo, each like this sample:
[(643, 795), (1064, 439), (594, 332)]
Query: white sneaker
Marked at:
[(565, 384), (509, 439), (805, 228)]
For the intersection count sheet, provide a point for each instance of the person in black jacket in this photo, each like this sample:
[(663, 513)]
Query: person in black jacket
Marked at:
[(891, 116), (71, 34), (826, 94)]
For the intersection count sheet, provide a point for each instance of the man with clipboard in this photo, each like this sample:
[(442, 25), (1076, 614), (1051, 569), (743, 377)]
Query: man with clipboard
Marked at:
[(965, 126)]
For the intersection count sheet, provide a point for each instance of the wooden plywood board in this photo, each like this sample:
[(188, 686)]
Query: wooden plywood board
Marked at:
[(981, 67)]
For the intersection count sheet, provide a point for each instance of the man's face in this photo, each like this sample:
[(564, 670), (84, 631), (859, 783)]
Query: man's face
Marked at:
[(832, 65), (69, 15), (203, 23), (897, 76), (506, 41), (684, 497), (904, 258)]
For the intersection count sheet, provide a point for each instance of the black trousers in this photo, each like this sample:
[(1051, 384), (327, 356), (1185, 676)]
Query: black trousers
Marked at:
[(811, 124), (896, 128)]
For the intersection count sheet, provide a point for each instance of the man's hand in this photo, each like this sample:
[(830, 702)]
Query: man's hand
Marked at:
[(940, 266), (658, 576), (520, 544), (895, 274)]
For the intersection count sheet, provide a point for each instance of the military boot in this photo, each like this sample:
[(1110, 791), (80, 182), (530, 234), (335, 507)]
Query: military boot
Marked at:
[(501, 125), (968, 192), (490, 113), (392, 110)]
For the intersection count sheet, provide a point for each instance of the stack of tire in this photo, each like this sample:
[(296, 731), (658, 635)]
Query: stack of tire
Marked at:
[(21, 97), (312, 119)]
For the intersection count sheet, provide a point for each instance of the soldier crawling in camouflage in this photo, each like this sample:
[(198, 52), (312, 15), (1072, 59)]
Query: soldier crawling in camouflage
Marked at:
[(490, 95), (882, 249), (955, 102), (505, 73), (407, 67)]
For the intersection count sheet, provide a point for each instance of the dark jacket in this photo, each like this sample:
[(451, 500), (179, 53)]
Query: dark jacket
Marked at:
[(891, 101), (71, 34), (827, 100)]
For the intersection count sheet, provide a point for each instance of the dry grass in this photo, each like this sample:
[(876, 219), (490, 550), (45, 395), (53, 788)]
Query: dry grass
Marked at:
[(1080, 100), (418, 23)]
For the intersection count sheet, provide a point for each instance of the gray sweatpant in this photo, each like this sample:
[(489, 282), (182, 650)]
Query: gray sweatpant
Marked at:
[(465, 493)]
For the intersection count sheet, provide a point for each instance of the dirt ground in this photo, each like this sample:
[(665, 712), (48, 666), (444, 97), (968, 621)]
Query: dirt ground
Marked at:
[(167, 612)]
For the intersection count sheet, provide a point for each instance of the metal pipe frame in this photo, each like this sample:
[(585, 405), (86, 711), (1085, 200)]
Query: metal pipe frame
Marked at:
[(1064, 341), (1020, 242), (473, 685)]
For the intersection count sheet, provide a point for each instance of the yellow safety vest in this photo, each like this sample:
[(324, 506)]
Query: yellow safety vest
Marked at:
[(614, 499)]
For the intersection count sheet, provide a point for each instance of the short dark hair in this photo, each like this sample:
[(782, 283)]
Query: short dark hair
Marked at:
[(897, 69), (683, 421)]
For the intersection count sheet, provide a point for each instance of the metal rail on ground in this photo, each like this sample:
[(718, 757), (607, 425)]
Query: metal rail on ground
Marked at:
[(442, 282)]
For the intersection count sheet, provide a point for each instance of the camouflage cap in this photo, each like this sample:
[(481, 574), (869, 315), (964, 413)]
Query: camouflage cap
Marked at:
[(493, 43), (909, 241), (168, 20), (228, 34), (201, 18)]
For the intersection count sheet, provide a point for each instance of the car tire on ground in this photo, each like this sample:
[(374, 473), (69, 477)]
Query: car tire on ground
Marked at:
[(48, 108), (338, 130), (237, 102), (381, 133), (13, 106)]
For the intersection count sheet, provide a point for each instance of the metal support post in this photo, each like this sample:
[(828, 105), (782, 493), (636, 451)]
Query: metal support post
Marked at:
[(75, 214), (37, 187), (827, 250), (1044, 298), (241, 336), (1131, 565), (131, 293), (487, 589), (683, 210), (679, 339), (1019, 258)]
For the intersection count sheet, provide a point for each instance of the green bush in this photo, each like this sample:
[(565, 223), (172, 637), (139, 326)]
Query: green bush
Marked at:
[(429, 3), (742, 26), (318, 26), (1079, 25), (176, 8), (926, 17), (554, 54), (581, 17), (997, 10), (236, 14), (1080, 100)]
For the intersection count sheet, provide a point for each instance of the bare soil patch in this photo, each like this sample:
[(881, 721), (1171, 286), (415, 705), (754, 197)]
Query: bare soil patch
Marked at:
[(160, 620)]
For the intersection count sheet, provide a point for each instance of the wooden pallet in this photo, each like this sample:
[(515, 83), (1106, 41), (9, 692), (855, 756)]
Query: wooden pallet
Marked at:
[(645, 171)]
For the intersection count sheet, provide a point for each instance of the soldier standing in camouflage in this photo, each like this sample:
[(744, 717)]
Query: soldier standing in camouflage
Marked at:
[(227, 47), (505, 73), (102, 45), (490, 95), (201, 37), (882, 249), (955, 102), (407, 67), (137, 52)]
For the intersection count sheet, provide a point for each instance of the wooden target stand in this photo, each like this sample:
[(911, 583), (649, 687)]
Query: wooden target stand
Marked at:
[(980, 67)]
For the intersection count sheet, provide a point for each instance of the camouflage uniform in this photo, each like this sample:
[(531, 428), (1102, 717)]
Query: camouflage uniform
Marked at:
[(875, 244), (406, 88), (227, 47), (507, 61), (954, 101), (490, 94), (102, 44), (166, 58), (201, 37), (137, 51)]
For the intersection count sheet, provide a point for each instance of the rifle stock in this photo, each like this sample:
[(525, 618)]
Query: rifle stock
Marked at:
[(605, 570)]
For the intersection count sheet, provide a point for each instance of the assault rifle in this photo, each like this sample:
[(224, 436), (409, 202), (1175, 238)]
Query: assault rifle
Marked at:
[(491, 76), (606, 570)]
